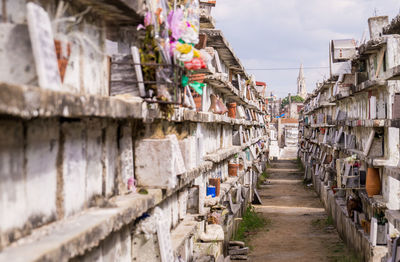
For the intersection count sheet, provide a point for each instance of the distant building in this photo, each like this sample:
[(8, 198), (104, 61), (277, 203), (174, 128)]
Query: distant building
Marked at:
[(274, 105), (301, 83), (293, 109), (261, 88)]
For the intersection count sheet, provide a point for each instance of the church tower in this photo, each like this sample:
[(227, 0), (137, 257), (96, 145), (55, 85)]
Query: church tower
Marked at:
[(301, 83)]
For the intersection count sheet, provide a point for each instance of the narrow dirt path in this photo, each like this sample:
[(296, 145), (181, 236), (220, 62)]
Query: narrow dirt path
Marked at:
[(299, 228)]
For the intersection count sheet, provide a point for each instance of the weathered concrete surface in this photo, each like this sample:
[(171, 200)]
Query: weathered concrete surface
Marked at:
[(29, 102), (298, 230), (140, 243), (116, 247), (28, 176), (111, 164), (188, 150), (41, 168), (376, 25), (154, 162), (222, 154), (63, 240), (73, 167), (12, 179), (19, 69), (126, 156), (94, 154)]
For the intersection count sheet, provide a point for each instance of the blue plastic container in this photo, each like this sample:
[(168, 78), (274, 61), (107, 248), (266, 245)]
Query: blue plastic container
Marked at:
[(211, 191)]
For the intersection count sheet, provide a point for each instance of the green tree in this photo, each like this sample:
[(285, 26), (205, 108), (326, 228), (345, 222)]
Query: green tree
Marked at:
[(295, 99)]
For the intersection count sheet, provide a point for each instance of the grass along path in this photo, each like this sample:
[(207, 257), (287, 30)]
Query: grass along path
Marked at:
[(298, 228), (252, 223)]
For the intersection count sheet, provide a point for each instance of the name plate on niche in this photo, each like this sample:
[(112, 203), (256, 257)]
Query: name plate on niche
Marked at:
[(164, 239), (43, 47)]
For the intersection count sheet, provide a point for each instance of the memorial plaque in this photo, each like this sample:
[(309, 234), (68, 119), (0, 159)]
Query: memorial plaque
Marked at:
[(43, 47), (164, 240)]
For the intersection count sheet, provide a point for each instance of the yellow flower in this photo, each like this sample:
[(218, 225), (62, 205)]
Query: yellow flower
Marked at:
[(196, 53), (184, 48)]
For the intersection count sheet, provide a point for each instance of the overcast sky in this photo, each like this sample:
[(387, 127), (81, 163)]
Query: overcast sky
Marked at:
[(284, 33)]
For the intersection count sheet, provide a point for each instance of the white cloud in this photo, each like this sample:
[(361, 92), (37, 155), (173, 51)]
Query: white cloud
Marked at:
[(270, 33)]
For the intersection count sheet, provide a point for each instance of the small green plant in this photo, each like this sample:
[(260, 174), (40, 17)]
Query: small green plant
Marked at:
[(260, 181), (262, 178), (251, 222), (265, 174), (329, 221), (324, 222), (343, 254), (380, 216)]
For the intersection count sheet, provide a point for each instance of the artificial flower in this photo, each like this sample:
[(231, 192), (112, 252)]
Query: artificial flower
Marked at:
[(147, 19), (184, 57), (184, 48), (175, 19), (198, 87), (195, 64), (196, 53), (190, 36)]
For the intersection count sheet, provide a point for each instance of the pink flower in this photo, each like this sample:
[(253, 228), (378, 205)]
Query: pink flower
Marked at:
[(175, 21), (147, 19), (172, 46)]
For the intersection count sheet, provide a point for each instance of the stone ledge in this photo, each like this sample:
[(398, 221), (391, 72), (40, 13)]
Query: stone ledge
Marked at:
[(206, 21), (114, 12), (393, 73), (365, 122), (373, 45), (225, 153), (219, 42), (31, 102), (225, 187), (364, 86), (191, 175), (65, 239), (185, 229), (224, 86), (228, 184), (321, 125)]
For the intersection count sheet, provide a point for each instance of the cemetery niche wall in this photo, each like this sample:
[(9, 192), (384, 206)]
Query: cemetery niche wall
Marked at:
[(125, 134), (350, 138)]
